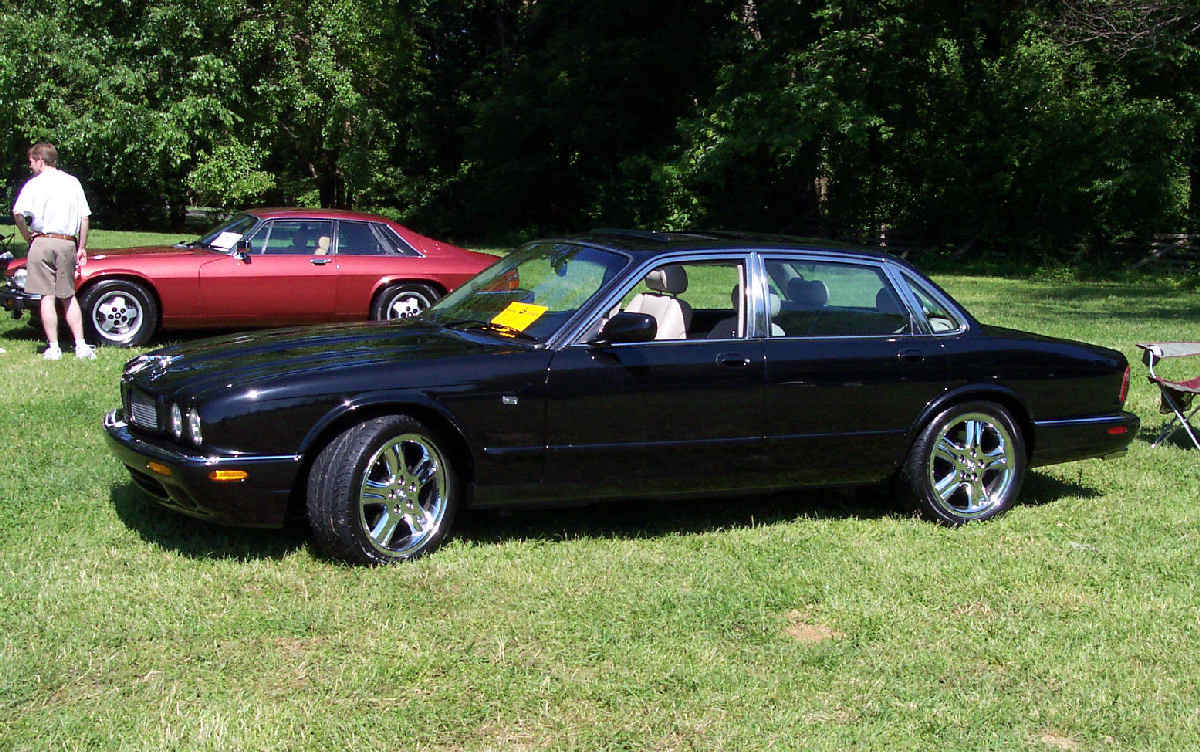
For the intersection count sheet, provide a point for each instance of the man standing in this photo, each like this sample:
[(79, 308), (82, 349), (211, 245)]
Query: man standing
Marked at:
[(57, 237)]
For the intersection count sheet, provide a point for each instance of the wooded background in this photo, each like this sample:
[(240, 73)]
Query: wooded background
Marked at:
[(1056, 128)]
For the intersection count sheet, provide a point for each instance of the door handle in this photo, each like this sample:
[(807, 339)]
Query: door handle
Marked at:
[(319, 261), (910, 356), (732, 360)]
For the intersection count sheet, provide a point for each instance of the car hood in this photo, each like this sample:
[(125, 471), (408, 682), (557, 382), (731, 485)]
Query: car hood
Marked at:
[(101, 254), (310, 359)]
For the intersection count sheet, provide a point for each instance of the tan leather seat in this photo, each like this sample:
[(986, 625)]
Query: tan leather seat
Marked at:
[(672, 314)]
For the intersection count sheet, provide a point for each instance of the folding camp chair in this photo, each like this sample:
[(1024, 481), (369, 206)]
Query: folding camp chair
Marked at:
[(1174, 396)]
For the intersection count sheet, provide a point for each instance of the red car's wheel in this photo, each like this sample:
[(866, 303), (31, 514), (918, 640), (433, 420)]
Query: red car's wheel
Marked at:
[(403, 302), (119, 312)]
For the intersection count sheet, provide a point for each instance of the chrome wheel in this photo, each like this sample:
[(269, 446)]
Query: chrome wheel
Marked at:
[(406, 305), (117, 316), (403, 497), (972, 466), (403, 302), (119, 312)]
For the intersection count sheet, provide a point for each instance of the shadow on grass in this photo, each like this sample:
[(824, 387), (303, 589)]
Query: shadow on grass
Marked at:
[(1040, 489), (644, 519), (626, 520), (197, 538), (1178, 439)]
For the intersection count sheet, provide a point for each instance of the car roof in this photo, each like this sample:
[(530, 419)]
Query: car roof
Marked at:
[(277, 212), (652, 243)]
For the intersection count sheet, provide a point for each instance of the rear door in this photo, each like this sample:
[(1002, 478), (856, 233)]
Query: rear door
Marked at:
[(847, 372)]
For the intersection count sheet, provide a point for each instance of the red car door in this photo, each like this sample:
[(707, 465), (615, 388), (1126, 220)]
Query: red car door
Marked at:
[(287, 277)]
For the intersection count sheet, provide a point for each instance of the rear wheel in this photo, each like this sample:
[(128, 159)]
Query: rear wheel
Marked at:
[(119, 312), (383, 491), (967, 465), (403, 302)]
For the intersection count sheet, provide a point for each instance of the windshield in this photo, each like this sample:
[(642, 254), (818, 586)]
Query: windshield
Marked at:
[(226, 235), (531, 292)]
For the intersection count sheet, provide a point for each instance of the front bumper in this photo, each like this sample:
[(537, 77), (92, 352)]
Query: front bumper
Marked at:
[(16, 301), (181, 481)]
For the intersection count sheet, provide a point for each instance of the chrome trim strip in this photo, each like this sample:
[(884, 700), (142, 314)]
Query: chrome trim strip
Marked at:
[(1079, 421)]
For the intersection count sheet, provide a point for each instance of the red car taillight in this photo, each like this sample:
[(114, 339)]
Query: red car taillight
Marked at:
[(1124, 387)]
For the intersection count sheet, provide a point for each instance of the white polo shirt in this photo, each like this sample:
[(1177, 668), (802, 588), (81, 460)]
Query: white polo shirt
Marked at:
[(56, 201)]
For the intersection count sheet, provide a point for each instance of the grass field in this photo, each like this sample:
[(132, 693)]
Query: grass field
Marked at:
[(808, 621)]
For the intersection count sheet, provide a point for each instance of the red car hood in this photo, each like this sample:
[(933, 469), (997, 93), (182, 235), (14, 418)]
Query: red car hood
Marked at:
[(120, 254), (148, 250)]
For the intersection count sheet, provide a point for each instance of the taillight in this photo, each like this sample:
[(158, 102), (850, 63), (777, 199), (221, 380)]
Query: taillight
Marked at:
[(1124, 387)]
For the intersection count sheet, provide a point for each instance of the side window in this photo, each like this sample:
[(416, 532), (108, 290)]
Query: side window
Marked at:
[(301, 237), (939, 317), (358, 239), (833, 299), (692, 300), (393, 242)]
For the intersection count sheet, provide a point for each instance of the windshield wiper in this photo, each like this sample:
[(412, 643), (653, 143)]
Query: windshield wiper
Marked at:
[(490, 326)]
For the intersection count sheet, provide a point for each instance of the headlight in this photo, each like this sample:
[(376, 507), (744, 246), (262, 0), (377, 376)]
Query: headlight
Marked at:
[(176, 421), (18, 277), (193, 422)]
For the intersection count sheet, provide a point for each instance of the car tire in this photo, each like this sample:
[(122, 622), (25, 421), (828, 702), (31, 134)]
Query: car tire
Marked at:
[(383, 491), (403, 302), (119, 312), (967, 465)]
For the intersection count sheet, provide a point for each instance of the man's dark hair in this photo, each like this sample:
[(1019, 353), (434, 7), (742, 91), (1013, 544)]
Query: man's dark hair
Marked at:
[(45, 152)]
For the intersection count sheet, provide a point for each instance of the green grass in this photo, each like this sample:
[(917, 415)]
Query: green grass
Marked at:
[(808, 621)]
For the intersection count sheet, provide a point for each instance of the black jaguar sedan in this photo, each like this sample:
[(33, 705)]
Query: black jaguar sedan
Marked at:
[(616, 364)]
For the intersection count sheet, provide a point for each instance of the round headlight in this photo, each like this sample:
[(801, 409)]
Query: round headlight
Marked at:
[(193, 422), (19, 277), (176, 421)]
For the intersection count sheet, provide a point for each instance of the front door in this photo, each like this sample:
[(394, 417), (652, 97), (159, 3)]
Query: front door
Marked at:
[(287, 278), (680, 414)]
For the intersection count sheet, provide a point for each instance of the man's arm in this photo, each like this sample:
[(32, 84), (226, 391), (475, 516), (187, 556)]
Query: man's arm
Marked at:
[(19, 221), (81, 249)]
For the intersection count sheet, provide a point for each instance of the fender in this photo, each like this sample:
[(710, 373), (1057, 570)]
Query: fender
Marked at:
[(976, 391), (364, 406)]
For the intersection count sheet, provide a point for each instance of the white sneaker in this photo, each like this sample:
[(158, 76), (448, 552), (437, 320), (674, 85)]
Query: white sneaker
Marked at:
[(52, 353), (85, 351)]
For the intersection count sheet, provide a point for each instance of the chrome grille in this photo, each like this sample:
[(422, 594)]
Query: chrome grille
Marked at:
[(142, 411)]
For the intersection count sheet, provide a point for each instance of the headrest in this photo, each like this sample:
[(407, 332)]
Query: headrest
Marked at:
[(886, 302), (807, 294), (735, 295), (668, 279), (773, 304)]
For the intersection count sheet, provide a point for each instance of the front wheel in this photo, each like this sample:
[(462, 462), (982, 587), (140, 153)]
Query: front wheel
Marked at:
[(119, 312), (967, 464), (403, 302), (381, 492)]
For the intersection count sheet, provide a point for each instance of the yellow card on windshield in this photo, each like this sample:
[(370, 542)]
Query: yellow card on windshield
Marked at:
[(519, 315)]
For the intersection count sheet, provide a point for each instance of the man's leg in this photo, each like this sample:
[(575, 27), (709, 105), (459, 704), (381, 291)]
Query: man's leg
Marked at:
[(50, 320), (75, 320)]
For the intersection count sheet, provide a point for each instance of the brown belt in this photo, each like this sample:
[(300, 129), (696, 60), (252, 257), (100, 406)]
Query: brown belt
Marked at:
[(54, 235)]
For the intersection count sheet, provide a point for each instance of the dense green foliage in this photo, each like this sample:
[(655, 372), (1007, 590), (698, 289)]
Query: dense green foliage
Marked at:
[(1057, 126)]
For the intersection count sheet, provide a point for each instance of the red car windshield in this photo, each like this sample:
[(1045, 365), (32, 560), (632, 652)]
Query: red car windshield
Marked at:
[(225, 236)]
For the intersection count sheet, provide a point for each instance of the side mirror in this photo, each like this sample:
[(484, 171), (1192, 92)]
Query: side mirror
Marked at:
[(242, 250), (627, 327)]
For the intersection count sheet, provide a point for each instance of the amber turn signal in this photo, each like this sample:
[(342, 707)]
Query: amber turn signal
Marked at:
[(158, 467), (227, 476)]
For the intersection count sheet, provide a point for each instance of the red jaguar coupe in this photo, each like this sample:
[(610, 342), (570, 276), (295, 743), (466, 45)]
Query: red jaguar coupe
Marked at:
[(262, 267)]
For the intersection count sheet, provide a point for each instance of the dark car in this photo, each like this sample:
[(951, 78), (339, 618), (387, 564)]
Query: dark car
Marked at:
[(616, 365), (262, 267)]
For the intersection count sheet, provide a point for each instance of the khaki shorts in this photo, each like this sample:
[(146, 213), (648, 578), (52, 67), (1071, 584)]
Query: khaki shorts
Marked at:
[(51, 267)]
